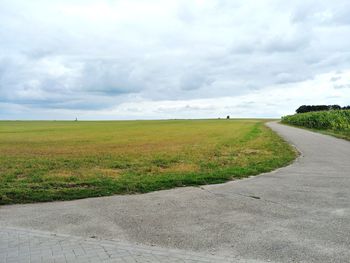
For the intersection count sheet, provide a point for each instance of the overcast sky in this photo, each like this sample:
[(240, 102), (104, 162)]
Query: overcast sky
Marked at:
[(130, 59)]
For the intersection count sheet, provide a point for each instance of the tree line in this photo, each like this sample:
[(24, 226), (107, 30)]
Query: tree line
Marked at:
[(309, 108)]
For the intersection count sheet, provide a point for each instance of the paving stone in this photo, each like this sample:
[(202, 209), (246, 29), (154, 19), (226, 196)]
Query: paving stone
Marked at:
[(27, 246)]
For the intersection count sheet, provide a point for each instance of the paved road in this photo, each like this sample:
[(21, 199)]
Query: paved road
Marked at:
[(300, 213)]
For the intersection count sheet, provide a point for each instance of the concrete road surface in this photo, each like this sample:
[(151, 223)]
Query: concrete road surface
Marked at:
[(300, 213)]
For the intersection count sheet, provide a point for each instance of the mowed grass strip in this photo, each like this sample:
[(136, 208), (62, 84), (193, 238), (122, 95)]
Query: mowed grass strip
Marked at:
[(58, 160)]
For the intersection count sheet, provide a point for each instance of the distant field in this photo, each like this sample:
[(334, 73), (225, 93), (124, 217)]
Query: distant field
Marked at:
[(333, 122), (58, 160)]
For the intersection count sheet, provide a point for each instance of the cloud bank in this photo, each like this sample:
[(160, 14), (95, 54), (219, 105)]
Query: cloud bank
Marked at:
[(171, 59)]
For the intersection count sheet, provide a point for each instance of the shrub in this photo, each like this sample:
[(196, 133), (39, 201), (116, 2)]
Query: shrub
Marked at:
[(309, 108)]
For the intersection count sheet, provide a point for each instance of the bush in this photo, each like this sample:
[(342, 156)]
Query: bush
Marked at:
[(310, 108), (336, 120)]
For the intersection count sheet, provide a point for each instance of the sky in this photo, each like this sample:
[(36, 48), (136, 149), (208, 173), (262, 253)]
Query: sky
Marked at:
[(157, 59)]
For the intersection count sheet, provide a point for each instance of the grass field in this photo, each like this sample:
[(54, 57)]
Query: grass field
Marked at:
[(332, 122), (61, 160)]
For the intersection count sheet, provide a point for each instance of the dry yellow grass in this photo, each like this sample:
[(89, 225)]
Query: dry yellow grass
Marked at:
[(42, 161)]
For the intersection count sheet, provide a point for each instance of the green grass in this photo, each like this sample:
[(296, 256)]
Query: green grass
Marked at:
[(61, 160), (334, 122)]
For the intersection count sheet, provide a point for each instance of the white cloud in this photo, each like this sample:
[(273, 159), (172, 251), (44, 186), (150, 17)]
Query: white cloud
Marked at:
[(171, 59)]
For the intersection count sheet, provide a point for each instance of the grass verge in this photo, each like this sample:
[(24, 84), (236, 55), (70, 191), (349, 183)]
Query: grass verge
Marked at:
[(338, 134)]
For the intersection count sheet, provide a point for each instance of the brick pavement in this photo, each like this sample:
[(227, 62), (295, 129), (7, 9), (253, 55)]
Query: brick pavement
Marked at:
[(20, 246)]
